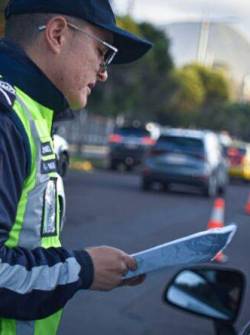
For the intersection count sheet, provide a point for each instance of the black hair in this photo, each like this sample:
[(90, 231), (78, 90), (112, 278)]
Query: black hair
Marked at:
[(23, 28)]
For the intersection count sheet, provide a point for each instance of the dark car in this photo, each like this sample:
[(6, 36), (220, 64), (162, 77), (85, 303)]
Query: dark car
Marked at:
[(128, 146), (186, 157)]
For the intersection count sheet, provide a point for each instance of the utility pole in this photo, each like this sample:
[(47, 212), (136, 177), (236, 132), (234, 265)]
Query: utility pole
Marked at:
[(202, 49), (203, 42), (130, 7)]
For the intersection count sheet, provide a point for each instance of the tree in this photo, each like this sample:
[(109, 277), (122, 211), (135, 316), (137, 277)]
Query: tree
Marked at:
[(197, 90), (189, 92), (233, 117), (137, 90), (216, 86)]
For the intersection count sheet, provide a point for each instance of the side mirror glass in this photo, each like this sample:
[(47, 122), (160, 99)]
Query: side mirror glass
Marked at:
[(210, 292)]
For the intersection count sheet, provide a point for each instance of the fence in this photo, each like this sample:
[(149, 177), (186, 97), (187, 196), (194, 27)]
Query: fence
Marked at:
[(86, 130)]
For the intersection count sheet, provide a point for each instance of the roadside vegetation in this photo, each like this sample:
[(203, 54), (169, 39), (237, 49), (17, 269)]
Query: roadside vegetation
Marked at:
[(153, 89)]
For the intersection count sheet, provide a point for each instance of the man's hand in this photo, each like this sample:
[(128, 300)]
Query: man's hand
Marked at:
[(110, 265)]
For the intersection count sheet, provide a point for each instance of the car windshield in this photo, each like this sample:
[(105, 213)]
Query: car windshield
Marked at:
[(178, 144), (128, 131)]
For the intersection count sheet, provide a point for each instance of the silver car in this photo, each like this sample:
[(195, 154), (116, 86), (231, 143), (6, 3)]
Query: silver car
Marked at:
[(187, 157)]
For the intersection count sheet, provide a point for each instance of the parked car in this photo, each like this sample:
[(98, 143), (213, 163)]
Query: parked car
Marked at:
[(238, 154), (61, 148), (186, 157), (128, 146), (211, 292)]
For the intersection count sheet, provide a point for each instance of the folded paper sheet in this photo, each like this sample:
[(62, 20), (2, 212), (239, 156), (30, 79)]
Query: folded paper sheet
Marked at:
[(198, 248)]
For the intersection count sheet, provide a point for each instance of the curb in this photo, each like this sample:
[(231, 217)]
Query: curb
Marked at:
[(81, 166)]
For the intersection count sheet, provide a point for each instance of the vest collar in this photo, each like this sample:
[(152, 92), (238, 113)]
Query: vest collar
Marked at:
[(19, 70)]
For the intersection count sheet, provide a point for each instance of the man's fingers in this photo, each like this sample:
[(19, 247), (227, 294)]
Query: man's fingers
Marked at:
[(124, 269), (131, 262), (133, 281), (110, 267)]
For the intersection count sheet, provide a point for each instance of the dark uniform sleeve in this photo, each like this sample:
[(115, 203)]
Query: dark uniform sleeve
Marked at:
[(33, 283)]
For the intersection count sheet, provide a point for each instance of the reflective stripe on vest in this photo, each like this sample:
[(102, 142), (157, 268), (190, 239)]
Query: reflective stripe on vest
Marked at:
[(38, 214)]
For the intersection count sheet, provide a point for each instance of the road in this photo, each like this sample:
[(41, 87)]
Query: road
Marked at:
[(106, 208)]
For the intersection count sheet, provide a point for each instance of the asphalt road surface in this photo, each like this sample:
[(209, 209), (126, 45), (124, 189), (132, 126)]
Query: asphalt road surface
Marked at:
[(106, 208)]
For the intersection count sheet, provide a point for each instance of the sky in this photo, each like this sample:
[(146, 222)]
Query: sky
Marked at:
[(233, 12)]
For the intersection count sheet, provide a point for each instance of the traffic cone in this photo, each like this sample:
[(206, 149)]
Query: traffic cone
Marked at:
[(217, 221), (217, 217), (247, 206)]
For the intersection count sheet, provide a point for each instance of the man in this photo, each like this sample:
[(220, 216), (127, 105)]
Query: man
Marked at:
[(53, 54)]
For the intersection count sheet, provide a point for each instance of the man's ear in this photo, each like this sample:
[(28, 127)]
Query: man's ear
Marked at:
[(56, 33)]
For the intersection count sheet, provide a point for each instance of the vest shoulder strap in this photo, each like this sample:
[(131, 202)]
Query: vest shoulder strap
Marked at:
[(7, 100), (7, 95)]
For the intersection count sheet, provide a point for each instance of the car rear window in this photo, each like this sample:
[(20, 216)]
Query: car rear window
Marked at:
[(138, 132), (180, 144), (233, 151), (236, 155)]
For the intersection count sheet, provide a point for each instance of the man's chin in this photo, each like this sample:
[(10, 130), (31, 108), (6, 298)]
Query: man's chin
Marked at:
[(78, 105)]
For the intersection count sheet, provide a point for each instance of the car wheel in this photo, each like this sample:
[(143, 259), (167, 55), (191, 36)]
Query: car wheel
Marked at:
[(145, 185), (63, 164), (210, 190)]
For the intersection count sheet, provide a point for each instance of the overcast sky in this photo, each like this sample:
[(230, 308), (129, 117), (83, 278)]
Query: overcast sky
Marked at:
[(237, 12)]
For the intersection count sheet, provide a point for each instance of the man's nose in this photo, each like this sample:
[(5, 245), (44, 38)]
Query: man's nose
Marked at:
[(102, 75)]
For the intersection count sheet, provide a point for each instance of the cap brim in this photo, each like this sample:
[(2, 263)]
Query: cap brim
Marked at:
[(130, 47)]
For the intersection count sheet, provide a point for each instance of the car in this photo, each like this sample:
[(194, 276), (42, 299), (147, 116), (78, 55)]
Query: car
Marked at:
[(212, 292), (186, 157), (61, 149), (128, 146), (238, 154)]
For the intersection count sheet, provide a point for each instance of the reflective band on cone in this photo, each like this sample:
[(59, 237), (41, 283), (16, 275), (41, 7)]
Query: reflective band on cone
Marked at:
[(217, 221)]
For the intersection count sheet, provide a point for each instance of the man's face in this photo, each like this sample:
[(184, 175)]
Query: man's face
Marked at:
[(82, 60)]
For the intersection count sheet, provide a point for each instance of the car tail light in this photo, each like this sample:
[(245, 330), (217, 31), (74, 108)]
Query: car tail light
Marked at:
[(235, 158), (115, 138), (148, 141)]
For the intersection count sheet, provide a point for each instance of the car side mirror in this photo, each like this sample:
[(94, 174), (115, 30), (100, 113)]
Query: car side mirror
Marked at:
[(211, 292)]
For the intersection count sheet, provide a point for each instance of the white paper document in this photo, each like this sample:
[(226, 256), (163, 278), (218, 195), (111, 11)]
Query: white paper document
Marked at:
[(198, 248)]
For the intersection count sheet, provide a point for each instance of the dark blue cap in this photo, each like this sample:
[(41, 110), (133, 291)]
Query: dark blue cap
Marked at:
[(97, 12)]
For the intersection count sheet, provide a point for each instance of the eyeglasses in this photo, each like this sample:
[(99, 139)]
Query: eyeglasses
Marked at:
[(108, 55)]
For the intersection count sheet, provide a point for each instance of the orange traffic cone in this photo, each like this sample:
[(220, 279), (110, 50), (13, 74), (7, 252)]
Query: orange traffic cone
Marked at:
[(217, 221), (247, 206), (217, 217)]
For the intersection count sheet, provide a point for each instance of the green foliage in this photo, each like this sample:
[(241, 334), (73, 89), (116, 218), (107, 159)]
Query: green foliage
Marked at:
[(137, 90), (189, 93), (197, 92), (152, 89), (127, 23), (214, 83), (233, 117)]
